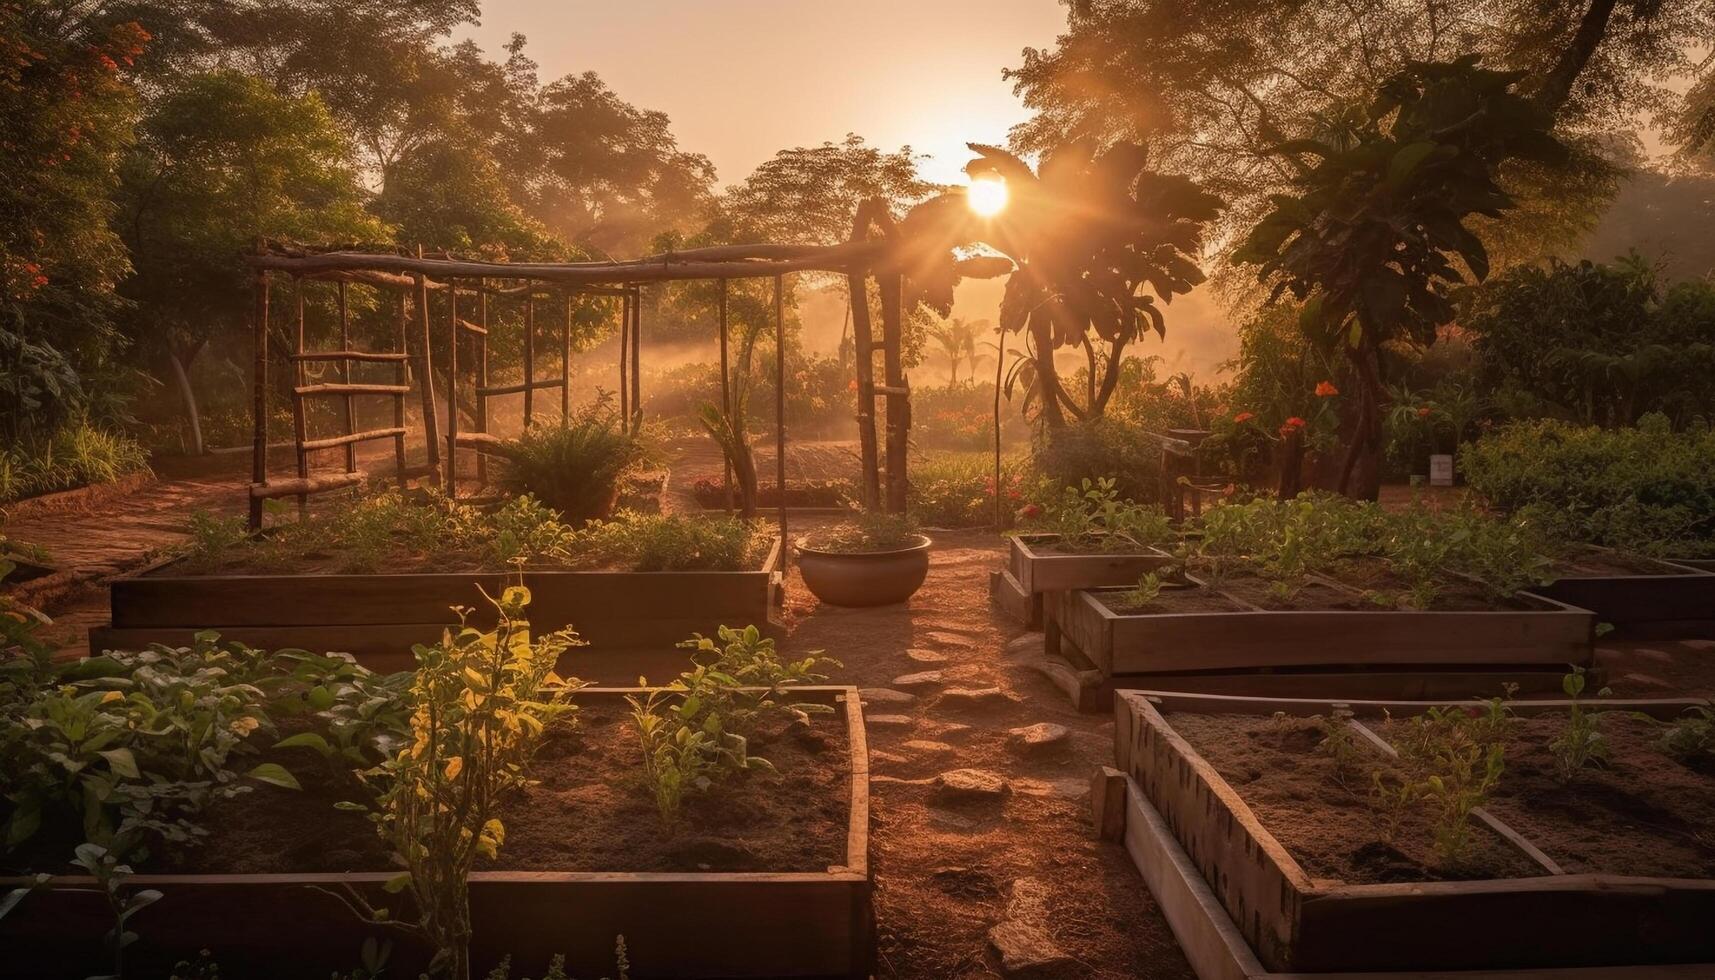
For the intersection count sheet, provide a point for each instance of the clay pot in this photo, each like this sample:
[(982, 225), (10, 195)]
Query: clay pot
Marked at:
[(864, 578)]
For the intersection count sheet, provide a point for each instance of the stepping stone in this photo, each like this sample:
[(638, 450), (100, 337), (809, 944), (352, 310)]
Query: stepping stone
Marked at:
[(889, 721), (877, 755), (1064, 787), (941, 638), (1041, 737), (1024, 647), (923, 679), (921, 747), (1645, 680), (922, 656), (884, 695), (972, 785), (1022, 939), (974, 696), (1698, 644), (1645, 653)]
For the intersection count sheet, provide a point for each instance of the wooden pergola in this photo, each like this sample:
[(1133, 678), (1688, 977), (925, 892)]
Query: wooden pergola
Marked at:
[(414, 277)]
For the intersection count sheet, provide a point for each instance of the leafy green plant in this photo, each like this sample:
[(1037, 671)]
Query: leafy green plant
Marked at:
[(1582, 744), (866, 531), (110, 873), (481, 703), (1145, 593), (1339, 744), (1691, 736), (673, 542), (1451, 759), (573, 467), (1091, 516)]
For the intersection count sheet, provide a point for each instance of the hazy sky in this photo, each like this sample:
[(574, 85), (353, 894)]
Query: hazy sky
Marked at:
[(741, 79)]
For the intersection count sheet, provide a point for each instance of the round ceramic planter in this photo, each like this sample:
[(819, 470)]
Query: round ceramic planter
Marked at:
[(864, 578)]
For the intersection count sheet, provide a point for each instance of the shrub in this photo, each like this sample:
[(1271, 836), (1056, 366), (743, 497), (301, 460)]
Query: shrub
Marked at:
[(1105, 448), (865, 532), (76, 455), (1091, 515), (1647, 489), (573, 468), (674, 543), (957, 489)]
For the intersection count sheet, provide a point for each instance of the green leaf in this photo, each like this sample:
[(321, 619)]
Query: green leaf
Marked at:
[(397, 883), (122, 762), (274, 774), (1406, 160), (306, 740)]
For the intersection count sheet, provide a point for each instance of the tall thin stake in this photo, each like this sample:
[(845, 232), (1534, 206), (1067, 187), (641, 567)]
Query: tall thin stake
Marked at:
[(780, 417)]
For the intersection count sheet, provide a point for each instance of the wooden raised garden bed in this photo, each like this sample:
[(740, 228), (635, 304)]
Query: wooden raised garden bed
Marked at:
[(1035, 568), (1245, 904), (692, 924), (1217, 642), (1642, 598), (377, 617)]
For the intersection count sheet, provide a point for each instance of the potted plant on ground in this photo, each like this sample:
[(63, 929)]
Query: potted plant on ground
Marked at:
[(870, 560)]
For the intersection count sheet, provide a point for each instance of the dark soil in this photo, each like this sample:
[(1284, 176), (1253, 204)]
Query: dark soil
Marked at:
[(1171, 600), (1321, 811), (1312, 595), (591, 811), (1643, 813), (1452, 594), (1593, 564)]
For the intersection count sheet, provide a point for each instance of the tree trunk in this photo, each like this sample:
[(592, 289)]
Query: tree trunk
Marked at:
[(187, 394), (1047, 382), (1360, 471), (1592, 28)]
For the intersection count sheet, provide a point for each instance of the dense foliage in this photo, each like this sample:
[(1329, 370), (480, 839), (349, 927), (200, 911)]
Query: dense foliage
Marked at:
[(573, 467), (1647, 489)]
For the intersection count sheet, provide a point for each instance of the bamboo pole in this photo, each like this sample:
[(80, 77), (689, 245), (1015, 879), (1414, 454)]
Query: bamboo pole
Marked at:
[(566, 364), (637, 362), (453, 391), (999, 367), (482, 379), (401, 374), (345, 377), (300, 425), (426, 383), (624, 341), (259, 396), (780, 418), (898, 404), (529, 359), (864, 349), (726, 395)]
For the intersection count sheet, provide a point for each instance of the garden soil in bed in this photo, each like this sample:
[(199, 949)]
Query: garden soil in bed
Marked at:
[(1644, 813), (591, 811), (1323, 816), (1196, 600)]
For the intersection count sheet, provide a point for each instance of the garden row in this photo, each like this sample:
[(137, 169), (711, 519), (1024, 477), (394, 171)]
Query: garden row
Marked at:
[(1322, 596)]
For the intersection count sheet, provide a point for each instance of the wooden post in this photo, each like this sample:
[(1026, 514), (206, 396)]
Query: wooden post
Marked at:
[(300, 425), (259, 398), (625, 340), (426, 383), (566, 364), (482, 376), (401, 372), (999, 369), (637, 362), (780, 418), (726, 395), (529, 354), (453, 391), (863, 345), (898, 400), (345, 378)]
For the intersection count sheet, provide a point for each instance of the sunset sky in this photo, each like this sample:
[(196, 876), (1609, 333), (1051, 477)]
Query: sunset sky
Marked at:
[(744, 78)]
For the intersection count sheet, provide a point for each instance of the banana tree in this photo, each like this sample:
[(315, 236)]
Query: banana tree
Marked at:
[(1096, 239), (1368, 240)]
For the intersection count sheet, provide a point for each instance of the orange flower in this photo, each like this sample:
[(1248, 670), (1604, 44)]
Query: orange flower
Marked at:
[(1326, 389), (852, 386), (1291, 426), (1244, 416), (1424, 412)]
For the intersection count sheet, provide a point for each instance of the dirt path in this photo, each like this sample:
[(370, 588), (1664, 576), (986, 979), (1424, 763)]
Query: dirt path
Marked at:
[(1008, 845)]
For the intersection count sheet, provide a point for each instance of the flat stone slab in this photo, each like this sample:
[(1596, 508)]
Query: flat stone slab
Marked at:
[(921, 656), (968, 785), (885, 695), (922, 679), (1062, 787), (942, 638), (922, 746), (1024, 647), (1022, 939), (889, 721), (1041, 737), (974, 696)]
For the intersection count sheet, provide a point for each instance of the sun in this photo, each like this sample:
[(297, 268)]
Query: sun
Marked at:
[(986, 196)]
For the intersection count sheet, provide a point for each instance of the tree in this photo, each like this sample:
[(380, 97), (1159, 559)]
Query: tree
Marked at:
[(1211, 88), (66, 112), (808, 195), (1089, 232), (1369, 238), (222, 161), (957, 338)]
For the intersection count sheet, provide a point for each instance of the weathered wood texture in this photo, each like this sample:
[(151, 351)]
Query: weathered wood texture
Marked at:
[(1678, 603), (1293, 922), (804, 924), (1040, 569), (1020, 605), (382, 614)]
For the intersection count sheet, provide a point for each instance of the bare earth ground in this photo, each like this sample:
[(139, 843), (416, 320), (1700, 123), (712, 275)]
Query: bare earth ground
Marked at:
[(1013, 853)]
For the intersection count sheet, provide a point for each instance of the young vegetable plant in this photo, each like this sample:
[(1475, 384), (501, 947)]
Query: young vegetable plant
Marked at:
[(109, 873), (1690, 738), (481, 703), (1451, 759), (1582, 744)]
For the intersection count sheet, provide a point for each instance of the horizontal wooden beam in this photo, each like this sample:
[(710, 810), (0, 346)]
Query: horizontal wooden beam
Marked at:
[(349, 355), (492, 391), (332, 442), (312, 391), (482, 442), (305, 485)]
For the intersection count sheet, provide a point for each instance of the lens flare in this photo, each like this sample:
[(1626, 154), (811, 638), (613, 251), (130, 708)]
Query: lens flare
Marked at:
[(986, 196)]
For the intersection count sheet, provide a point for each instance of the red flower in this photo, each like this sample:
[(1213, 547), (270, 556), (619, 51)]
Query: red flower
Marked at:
[(1326, 389), (852, 386), (1029, 511), (1244, 416), (1425, 412), (1291, 426)]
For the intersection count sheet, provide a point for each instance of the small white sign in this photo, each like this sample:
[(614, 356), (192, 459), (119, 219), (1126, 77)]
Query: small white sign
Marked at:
[(1440, 470)]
